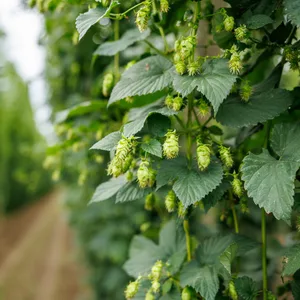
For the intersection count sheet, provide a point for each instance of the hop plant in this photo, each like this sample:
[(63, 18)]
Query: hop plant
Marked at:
[(237, 185), (156, 270), (246, 91), (229, 23), (203, 156), (125, 146), (193, 68), (180, 67), (143, 15), (169, 101), (132, 289), (177, 103), (241, 34), (181, 211), (170, 201), (235, 64), (203, 108), (292, 56), (232, 291), (226, 157), (187, 46), (164, 6), (171, 145), (149, 295), (187, 294), (115, 167), (145, 175), (155, 286), (149, 202), (108, 84), (130, 64), (105, 3)]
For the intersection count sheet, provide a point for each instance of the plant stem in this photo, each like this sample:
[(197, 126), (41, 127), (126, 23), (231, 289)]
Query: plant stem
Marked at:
[(128, 10), (196, 117), (264, 253), (189, 135), (186, 228), (234, 214), (155, 49), (207, 121), (117, 55), (180, 121)]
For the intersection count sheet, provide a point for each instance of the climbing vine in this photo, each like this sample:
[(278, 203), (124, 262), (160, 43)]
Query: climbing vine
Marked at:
[(210, 109)]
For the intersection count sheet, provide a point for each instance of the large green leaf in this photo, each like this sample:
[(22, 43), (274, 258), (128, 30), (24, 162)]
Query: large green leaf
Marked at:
[(138, 117), (79, 110), (258, 21), (130, 37), (170, 170), (285, 141), (108, 189), (215, 82), (109, 142), (131, 192), (212, 258), (270, 183), (292, 9), (193, 185), (145, 77), (153, 147), (296, 289), (246, 288), (293, 260), (203, 279), (85, 21), (260, 108), (144, 253)]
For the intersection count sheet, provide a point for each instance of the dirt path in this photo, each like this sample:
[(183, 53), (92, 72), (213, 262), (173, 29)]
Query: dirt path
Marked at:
[(39, 251)]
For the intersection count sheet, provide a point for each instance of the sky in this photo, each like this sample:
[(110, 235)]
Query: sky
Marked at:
[(23, 27)]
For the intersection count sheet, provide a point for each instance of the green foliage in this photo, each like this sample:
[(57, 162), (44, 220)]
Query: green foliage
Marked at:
[(188, 130), (292, 260)]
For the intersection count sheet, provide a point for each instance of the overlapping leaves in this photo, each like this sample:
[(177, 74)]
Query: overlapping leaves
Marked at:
[(270, 181), (144, 253)]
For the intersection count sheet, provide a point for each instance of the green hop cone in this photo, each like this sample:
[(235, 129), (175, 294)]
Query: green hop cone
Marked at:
[(237, 186), (241, 34), (155, 286), (149, 202), (31, 3), (235, 64), (187, 46), (193, 68), (164, 6), (129, 176), (226, 157), (105, 3), (108, 84), (229, 23), (203, 156), (156, 270), (115, 168), (177, 103), (171, 145), (124, 147), (181, 210), (143, 174), (149, 295), (143, 15), (170, 201), (232, 291), (152, 177), (246, 91), (188, 294), (130, 64), (126, 163), (180, 67), (203, 108), (271, 296), (169, 101), (131, 289)]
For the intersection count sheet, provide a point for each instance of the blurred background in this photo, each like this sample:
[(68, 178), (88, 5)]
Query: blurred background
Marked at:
[(52, 244)]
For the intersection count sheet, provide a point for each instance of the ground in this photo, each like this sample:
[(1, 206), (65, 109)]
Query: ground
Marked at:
[(38, 256)]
